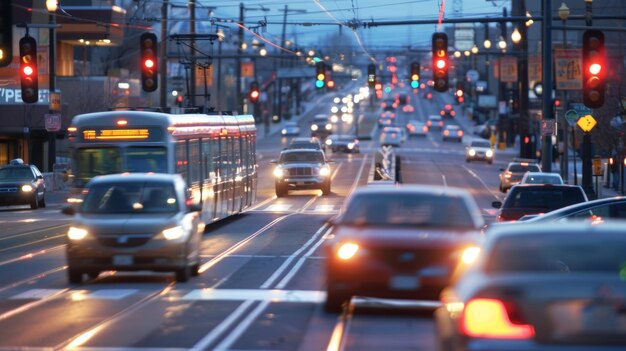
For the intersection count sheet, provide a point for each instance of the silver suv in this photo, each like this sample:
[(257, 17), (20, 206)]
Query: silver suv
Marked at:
[(301, 169)]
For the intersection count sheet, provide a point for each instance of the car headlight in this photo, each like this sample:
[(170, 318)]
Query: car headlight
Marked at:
[(278, 172), (314, 127), (174, 233), (325, 171), (472, 152), (76, 233), (328, 142), (350, 146), (470, 254), (347, 250), (329, 126), (334, 118), (284, 131), (489, 153), (27, 188)]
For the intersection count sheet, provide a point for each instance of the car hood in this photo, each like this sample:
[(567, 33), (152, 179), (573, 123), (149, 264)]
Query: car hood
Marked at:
[(107, 224), (300, 164), (406, 237)]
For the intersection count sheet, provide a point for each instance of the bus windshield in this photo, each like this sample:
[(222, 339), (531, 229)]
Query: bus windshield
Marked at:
[(107, 160)]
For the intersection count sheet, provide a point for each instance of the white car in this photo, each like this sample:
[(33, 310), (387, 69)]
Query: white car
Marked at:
[(290, 128), (541, 178), (479, 150)]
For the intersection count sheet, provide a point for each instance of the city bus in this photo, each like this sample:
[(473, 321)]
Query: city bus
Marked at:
[(215, 154)]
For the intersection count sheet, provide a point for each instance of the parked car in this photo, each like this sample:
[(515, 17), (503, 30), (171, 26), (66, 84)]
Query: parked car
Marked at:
[(301, 169), (452, 132), (525, 199), (22, 184), (290, 128), (403, 242), (541, 178), (343, 143), (434, 122), (134, 222), (479, 150), (418, 128), (514, 172), (538, 287)]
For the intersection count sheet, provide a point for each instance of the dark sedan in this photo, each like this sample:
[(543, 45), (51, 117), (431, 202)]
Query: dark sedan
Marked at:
[(403, 242), (22, 184), (596, 210), (537, 287), (343, 143)]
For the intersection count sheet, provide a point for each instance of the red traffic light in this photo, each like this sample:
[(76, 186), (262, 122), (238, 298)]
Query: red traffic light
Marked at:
[(254, 93), (28, 68), (593, 72), (149, 63), (330, 84), (441, 64), (148, 52), (440, 61)]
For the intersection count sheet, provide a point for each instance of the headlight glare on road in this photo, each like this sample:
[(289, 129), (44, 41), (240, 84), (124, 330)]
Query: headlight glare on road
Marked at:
[(470, 254), (325, 171), (76, 233), (173, 233), (278, 172), (27, 188), (472, 152), (347, 250)]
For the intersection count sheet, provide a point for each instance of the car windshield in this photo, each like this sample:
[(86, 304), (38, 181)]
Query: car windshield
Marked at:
[(557, 253), (413, 210), (481, 144), (524, 168), (544, 198), (306, 157), (16, 173), (130, 197)]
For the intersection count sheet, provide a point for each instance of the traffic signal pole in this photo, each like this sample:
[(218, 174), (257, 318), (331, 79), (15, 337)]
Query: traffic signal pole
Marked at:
[(547, 107), (163, 58)]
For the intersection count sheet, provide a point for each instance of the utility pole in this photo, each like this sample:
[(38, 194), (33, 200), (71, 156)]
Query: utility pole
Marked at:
[(522, 64), (280, 81), (192, 69), (239, 102), (163, 58), (546, 53)]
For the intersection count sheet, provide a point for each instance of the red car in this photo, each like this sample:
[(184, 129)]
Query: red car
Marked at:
[(402, 242)]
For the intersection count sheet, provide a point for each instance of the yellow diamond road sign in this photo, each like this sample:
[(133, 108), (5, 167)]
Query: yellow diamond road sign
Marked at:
[(586, 123)]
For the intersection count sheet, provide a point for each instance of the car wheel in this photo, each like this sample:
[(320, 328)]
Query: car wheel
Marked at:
[(34, 204), (183, 274), (93, 274), (280, 190), (74, 276), (326, 188), (195, 270)]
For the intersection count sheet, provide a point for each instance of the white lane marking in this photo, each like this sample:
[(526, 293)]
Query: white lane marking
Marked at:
[(473, 174), (287, 262), (269, 295), (110, 294), (278, 208), (263, 203), (443, 178), (234, 335), (324, 208), (356, 181), (37, 294), (300, 262), (221, 328)]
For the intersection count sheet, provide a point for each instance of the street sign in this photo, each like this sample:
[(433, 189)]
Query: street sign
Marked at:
[(571, 117), (586, 123), (55, 101), (568, 69), (52, 122), (548, 127), (597, 166), (580, 108)]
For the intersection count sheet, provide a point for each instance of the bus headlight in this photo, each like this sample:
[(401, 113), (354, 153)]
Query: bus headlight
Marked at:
[(325, 171), (278, 172), (76, 233)]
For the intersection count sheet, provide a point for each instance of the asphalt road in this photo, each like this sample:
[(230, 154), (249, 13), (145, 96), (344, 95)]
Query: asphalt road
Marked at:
[(261, 285)]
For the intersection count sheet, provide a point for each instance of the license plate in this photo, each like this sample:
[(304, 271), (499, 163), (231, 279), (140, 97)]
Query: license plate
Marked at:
[(122, 260), (404, 282)]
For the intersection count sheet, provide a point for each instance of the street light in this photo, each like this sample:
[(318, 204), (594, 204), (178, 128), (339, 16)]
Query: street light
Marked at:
[(516, 37), (564, 13), (474, 49), (51, 6), (502, 43)]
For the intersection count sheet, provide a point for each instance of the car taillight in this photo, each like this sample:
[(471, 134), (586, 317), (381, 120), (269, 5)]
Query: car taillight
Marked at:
[(425, 128), (442, 113), (452, 113), (446, 132), (441, 124), (459, 133), (493, 318)]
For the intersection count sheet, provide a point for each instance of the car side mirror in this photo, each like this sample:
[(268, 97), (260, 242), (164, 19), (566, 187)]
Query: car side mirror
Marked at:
[(496, 204), (68, 210)]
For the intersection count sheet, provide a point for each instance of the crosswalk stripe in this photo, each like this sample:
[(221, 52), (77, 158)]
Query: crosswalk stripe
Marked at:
[(324, 208), (36, 294), (103, 294), (278, 207)]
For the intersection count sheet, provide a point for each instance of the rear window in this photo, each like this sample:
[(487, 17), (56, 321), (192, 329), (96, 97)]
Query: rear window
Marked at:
[(544, 199), (523, 168), (414, 210), (558, 253)]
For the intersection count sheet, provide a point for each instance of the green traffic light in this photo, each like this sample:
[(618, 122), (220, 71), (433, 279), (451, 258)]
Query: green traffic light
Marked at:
[(415, 84), (319, 83)]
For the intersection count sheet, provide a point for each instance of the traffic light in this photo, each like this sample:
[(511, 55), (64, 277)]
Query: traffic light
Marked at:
[(254, 93), (440, 61), (320, 75), (594, 72), (6, 33), (179, 100), (371, 75), (415, 75), (28, 70), (459, 93), (330, 84), (149, 67)]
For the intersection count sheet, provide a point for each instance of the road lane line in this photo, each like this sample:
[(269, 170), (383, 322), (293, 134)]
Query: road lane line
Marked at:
[(31, 305), (32, 232), (299, 264), (473, 174), (260, 204), (288, 261), (210, 338), (30, 255), (234, 335)]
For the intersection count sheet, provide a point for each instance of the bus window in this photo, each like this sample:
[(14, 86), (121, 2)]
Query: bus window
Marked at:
[(97, 161), (146, 159), (194, 160), (206, 155), (181, 159), (224, 157)]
